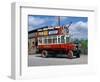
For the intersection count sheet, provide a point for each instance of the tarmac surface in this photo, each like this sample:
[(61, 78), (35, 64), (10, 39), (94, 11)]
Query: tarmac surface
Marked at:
[(37, 60)]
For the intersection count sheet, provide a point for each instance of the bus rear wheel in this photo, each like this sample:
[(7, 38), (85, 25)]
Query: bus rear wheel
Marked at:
[(44, 53), (70, 54)]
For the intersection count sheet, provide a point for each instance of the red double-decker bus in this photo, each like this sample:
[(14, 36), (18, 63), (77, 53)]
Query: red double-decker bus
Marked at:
[(55, 40)]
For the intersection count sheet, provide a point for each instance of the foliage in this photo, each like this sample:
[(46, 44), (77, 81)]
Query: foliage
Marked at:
[(84, 43)]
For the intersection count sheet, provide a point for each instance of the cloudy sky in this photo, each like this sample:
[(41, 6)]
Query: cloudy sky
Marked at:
[(78, 29)]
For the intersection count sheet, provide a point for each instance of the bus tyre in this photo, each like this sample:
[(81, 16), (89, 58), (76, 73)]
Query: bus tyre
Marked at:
[(44, 53), (70, 54), (78, 54)]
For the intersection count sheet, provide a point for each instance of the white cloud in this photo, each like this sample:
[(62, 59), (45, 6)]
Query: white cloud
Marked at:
[(34, 21), (79, 29), (79, 26)]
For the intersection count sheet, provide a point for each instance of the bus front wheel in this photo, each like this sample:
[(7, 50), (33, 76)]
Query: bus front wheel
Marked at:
[(70, 54)]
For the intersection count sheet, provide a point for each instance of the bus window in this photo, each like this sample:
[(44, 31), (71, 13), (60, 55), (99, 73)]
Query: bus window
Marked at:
[(67, 39), (58, 39), (49, 40), (62, 39), (45, 41), (55, 39)]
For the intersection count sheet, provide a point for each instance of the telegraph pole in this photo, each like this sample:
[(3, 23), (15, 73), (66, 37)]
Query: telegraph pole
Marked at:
[(58, 20)]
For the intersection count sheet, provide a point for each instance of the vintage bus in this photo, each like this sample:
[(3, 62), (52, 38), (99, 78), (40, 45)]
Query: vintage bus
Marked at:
[(53, 40)]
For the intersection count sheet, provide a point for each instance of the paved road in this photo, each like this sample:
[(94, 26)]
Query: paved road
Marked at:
[(37, 60)]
